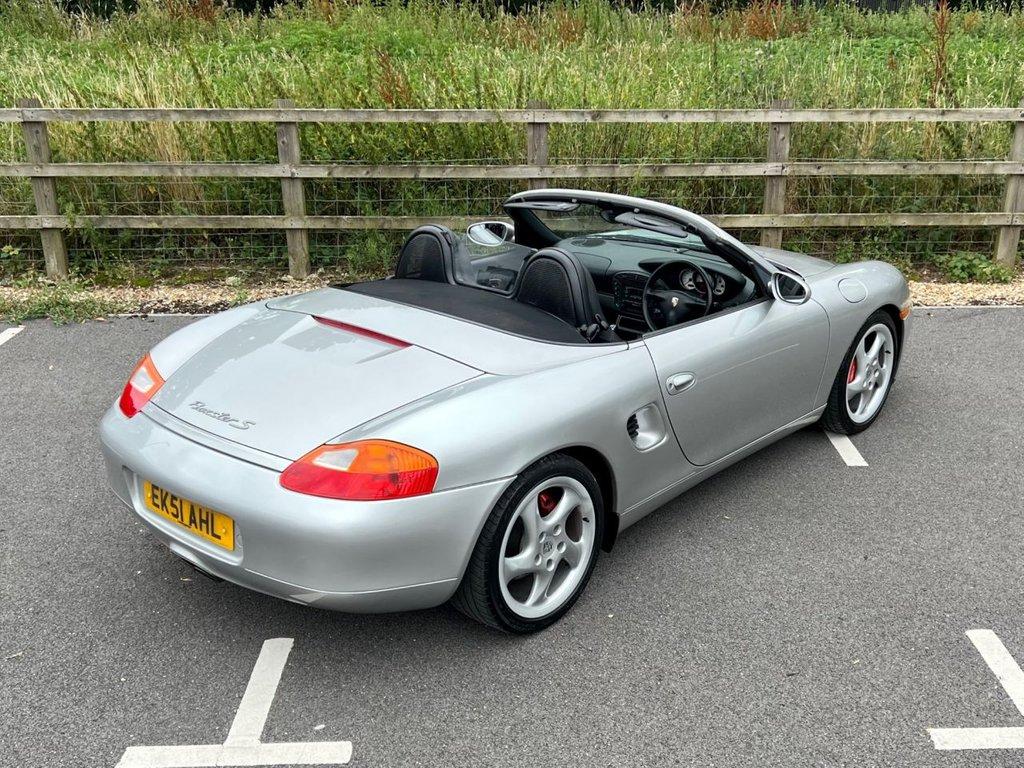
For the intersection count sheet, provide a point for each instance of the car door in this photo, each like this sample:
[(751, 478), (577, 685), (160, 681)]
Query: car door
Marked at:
[(733, 377)]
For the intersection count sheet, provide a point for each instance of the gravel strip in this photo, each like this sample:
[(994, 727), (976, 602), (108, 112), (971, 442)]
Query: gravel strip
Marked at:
[(979, 294)]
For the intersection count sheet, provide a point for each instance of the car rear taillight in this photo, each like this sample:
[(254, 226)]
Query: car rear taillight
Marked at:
[(365, 470), (142, 385)]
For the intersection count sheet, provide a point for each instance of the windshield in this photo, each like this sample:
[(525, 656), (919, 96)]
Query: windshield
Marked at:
[(586, 230), (587, 219)]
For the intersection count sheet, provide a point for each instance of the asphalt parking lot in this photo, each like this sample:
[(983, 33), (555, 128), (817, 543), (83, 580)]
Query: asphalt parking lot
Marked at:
[(792, 611)]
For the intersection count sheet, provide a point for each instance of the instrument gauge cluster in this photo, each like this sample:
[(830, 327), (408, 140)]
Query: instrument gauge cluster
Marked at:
[(690, 280)]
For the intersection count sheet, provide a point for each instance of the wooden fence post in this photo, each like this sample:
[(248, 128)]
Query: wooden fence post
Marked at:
[(1009, 237), (288, 153), (44, 190), (537, 143), (775, 186)]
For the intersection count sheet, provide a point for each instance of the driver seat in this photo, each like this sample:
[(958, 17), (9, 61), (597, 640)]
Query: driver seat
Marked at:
[(557, 282)]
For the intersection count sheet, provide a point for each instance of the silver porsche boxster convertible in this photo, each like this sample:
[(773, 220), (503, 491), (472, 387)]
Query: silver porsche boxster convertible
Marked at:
[(479, 426)]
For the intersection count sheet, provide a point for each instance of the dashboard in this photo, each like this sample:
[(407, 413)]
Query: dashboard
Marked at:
[(628, 293), (728, 288), (621, 263)]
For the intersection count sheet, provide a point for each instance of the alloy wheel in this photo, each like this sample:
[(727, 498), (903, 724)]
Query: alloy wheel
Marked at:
[(870, 373), (547, 547)]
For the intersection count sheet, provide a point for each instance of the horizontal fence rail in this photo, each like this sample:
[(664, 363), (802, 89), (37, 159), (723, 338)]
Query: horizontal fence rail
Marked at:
[(734, 220), (292, 115), (538, 171)]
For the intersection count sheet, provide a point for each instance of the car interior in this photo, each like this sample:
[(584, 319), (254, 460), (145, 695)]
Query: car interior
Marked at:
[(566, 272)]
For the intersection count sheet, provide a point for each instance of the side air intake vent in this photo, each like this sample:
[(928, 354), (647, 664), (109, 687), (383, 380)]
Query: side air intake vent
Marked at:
[(646, 427)]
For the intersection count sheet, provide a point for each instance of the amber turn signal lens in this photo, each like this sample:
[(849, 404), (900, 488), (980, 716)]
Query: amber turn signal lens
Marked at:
[(905, 309)]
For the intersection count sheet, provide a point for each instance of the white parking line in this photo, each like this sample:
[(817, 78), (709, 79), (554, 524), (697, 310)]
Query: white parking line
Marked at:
[(247, 727), (977, 738), (1011, 678), (1001, 663), (243, 746), (847, 450), (9, 333), (232, 756)]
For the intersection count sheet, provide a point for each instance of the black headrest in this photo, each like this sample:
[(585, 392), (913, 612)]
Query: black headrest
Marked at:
[(557, 282), (427, 255)]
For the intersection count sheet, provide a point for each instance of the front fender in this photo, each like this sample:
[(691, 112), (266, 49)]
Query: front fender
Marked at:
[(883, 284)]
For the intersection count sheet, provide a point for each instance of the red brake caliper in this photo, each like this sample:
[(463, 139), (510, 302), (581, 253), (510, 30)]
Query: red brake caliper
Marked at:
[(853, 371), (546, 503)]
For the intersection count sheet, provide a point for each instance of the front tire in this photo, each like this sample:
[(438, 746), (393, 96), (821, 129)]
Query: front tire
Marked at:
[(865, 378), (537, 549)]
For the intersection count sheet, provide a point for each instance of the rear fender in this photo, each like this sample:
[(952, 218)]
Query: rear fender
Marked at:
[(494, 426)]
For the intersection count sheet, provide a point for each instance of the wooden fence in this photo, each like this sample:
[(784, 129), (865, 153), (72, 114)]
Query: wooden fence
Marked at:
[(536, 172)]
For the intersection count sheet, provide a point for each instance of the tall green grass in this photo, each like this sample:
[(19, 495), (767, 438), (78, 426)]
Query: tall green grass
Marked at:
[(584, 54)]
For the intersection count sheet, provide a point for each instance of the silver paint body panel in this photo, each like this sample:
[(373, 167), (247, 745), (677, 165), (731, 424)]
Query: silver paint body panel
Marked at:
[(258, 382), (755, 369)]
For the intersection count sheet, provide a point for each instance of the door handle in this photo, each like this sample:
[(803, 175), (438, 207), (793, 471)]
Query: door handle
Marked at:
[(679, 382)]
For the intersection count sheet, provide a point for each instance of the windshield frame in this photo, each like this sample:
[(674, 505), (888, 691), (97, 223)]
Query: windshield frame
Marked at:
[(641, 214)]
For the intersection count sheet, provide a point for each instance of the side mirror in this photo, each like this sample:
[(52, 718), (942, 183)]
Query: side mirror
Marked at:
[(789, 288), (491, 232)]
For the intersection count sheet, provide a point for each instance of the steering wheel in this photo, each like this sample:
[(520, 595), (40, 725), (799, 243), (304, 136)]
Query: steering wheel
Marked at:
[(666, 302)]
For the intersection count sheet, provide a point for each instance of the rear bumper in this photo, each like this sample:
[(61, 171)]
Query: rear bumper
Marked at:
[(353, 556)]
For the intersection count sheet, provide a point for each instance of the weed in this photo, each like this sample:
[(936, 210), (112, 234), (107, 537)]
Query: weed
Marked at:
[(970, 267), (63, 303), (942, 21)]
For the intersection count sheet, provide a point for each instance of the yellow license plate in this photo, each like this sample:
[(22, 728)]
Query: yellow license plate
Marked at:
[(203, 521)]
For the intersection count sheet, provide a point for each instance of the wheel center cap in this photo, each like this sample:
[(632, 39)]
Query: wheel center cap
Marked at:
[(546, 547)]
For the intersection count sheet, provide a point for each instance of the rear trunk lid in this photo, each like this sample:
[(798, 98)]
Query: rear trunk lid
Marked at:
[(477, 345), (283, 382)]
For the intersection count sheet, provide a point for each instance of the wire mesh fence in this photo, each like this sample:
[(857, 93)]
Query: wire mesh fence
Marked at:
[(922, 251), (20, 253), (142, 256), (470, 197), (195, 252), (914, 194)]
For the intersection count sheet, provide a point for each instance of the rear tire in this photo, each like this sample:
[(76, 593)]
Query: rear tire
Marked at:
[(537, 550), (865, 378)]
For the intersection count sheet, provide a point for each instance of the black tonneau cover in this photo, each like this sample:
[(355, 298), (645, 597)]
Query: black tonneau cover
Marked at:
[(475, 305)]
